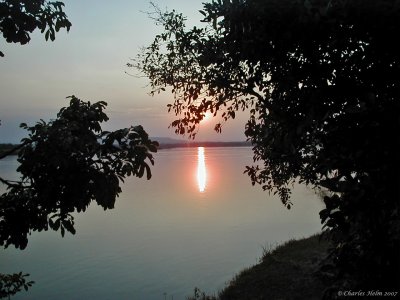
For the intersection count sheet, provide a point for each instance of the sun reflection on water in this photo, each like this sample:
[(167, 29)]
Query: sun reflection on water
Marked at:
[(201, 170)]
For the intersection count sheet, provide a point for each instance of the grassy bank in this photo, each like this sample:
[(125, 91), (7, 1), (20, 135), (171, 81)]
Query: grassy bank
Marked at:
[(288, 272)]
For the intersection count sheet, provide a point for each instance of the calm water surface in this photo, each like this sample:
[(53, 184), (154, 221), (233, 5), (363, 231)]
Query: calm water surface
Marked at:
[(197, 222)]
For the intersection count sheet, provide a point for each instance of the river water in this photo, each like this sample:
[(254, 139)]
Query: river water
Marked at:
[(196, 223)]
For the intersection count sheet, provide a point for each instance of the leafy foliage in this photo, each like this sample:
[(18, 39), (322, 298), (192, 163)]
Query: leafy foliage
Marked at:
[(319, 79), (10, 284), (65, 164), (19, 18)]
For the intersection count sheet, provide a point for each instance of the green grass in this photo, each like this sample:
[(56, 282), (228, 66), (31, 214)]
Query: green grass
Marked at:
[(290, 271)]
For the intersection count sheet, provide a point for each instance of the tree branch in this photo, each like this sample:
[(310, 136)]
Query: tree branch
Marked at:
[(10, 183), (11, 151)]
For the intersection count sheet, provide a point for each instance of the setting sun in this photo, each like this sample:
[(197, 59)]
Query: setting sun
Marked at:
[(207, 116)]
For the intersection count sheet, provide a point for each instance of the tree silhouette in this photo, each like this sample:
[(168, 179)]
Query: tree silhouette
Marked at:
[(65, 164), (19, 18), (320, 81)]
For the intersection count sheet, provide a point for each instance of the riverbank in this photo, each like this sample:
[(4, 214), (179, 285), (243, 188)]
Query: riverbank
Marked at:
[(290, 271)]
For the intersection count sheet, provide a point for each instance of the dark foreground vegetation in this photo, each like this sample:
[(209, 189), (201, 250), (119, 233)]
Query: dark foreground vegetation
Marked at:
[(290, 271), (320, 81)]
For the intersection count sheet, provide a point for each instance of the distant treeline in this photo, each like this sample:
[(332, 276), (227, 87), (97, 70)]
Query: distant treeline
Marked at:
[(7, 147), (204, 144)]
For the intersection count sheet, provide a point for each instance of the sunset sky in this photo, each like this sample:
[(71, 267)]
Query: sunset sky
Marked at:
[(89, 62)]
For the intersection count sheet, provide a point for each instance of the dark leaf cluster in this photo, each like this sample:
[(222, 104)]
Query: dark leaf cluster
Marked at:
[(19, 18), (64, 165), (10, 284)]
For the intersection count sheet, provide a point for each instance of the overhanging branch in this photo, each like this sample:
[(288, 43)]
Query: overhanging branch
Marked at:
[(11, 151)]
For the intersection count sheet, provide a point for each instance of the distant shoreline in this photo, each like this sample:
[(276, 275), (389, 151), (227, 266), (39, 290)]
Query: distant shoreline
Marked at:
[(203, 144), (191, 144)]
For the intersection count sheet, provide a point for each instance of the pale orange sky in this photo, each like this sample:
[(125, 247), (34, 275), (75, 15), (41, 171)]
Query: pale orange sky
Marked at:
[(89, 62)]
